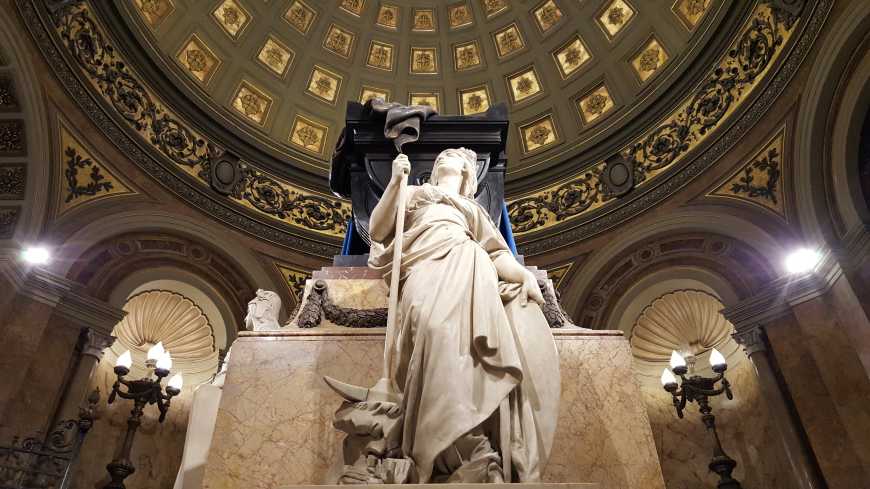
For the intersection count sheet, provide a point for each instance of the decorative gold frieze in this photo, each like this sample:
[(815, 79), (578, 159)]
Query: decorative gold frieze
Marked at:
[(199, 61), (388, 16), (300, 16), (353, 7), (309, 135), (338, 41), (154, 12), (368, 92), (571, 56), (508, 40), (424, 20), (181, 147), (380, 56), (466, 56), (523, 84), (232, 17), (324, 84), (424, 61), (459, 15), (432, 99), (547, 15), (595, 104), (649, 60), (615, 16), (474, 100), (538, 134), (252, 103), (276, 56), (737, 75), (760, 180), (690, 12), (494, 7), (85, 178)]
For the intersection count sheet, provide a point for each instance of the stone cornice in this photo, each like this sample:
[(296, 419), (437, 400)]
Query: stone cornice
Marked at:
[(61, 294), (780, 295)]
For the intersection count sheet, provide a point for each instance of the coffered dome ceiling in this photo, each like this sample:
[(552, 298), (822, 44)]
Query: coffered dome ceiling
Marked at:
[(611, 102), (281, 71)]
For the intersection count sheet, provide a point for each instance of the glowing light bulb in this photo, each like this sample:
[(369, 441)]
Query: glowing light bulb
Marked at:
[(125, 360), (165, 361), (668, 377), (36, 255), (717, 358), (176, 381), (802, 260), (156, 351), (677, 360)]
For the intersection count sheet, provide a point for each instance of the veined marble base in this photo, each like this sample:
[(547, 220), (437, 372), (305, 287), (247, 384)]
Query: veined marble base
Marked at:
[(274, 426), (542, 485)]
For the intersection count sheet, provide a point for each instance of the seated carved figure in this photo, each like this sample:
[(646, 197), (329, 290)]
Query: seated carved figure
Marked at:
[(474, 358)]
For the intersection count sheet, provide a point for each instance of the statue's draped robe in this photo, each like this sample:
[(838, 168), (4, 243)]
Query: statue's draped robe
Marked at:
[(464, 342)]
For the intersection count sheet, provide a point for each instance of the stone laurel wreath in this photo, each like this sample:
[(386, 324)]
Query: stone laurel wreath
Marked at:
[(318, 305), (748, 58), (128, 96), (97, 181)]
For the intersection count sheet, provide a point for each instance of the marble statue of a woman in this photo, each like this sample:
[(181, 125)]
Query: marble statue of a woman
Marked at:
[(470, 333)]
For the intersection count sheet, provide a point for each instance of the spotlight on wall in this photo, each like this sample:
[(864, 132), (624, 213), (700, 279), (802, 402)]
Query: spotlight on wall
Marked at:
[(802, 260), (36, 255)]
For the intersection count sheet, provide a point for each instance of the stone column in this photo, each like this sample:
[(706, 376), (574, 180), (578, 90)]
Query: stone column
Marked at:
[(92, 344), (803, 469)]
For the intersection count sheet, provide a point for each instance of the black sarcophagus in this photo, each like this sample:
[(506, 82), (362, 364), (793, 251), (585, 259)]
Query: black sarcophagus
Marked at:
[(362, 164)]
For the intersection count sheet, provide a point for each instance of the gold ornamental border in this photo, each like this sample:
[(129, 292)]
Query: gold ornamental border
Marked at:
[(677, 134)]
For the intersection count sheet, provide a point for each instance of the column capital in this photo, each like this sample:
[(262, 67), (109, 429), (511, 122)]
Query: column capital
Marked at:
[(95, 342), (751, 339)]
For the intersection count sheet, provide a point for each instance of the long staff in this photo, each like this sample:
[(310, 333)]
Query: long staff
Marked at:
[(393, 306)]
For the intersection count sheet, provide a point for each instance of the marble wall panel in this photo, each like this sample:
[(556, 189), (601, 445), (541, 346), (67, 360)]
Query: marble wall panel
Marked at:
[(828, 433), (274, 425), (747, 433)]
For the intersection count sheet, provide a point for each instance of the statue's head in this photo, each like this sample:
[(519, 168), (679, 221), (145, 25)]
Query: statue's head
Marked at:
[(463, 159), (263, 311)]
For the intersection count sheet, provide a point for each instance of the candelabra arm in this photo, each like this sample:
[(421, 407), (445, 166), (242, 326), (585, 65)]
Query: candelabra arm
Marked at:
[(679, 399)]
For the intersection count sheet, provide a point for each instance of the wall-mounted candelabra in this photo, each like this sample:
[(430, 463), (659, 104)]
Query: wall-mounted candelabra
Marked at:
[(145, 391), (697, 388)]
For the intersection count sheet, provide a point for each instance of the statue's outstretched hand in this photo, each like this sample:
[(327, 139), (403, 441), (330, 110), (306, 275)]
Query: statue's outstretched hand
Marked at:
[(401, 167), (531, 291)]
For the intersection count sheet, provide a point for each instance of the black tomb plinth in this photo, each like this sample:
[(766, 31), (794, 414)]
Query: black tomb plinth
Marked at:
[(362, 165)]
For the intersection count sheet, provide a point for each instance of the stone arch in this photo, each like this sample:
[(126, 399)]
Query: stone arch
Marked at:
[(31, 110), (723, 266), (836, 100), (124, 264)]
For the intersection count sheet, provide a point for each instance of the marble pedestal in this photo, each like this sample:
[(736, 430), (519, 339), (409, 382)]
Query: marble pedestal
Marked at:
[(274, 425)]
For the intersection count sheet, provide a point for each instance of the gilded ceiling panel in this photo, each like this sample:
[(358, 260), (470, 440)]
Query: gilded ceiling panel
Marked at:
[(474, 100), (651, 58), (432, 99), (459, 15), (547, 15), (198, 59), (615, 17)]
